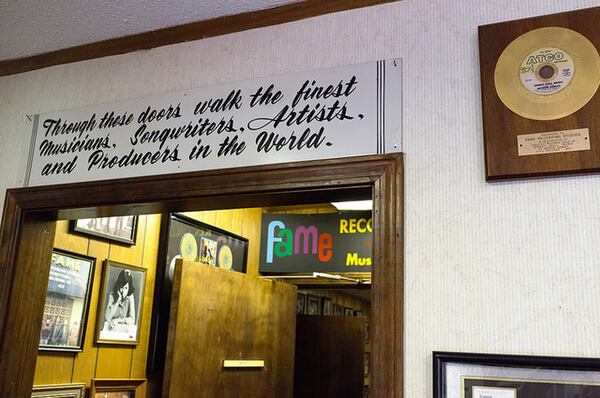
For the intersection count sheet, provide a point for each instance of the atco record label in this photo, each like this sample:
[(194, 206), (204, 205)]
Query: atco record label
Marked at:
[(554, 142), (547, 70)]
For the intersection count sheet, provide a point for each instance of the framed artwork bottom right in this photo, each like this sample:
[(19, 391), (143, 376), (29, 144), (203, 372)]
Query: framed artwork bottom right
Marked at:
[(471, 375)]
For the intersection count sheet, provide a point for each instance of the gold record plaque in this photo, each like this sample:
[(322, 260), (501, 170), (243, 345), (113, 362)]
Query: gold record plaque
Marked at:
[(541, 105)]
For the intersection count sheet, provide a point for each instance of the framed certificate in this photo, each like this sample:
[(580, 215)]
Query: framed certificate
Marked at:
[(468, 375)]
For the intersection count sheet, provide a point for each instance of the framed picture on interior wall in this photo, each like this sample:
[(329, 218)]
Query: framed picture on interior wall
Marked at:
[(71, 390), (313, 305), (348, 311), (120, 306), (359, 313), (67, 301), (338, 310), (115, 388), (462, 375), (327, 306), (367, 364), (186, 238), (122, 229), (300, 303)]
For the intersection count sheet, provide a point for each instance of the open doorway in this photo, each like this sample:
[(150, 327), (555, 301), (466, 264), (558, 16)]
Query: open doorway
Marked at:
[(29, 222)]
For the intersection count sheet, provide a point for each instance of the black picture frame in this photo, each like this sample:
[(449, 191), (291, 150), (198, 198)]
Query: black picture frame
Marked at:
[(301, 303), (327, 306), (338, 310), (538, 373), (66, 286), (313, 305), (121, 229), (128, 302), (178, 234)]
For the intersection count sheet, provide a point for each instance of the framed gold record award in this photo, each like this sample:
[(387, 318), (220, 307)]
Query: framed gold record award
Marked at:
[(540, 97)]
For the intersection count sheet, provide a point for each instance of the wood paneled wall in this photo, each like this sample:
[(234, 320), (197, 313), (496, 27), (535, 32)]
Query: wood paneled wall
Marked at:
[(130, 362), (122, 361)]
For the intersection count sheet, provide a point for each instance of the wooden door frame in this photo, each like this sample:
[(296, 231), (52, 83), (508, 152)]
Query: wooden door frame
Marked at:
[(30, 214)]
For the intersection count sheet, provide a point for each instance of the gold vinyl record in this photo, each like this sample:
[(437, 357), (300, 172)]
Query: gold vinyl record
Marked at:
[(225, 257), (547, 73), (188, 247)]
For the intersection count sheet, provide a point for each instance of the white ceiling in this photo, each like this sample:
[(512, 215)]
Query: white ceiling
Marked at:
[(30, 27)]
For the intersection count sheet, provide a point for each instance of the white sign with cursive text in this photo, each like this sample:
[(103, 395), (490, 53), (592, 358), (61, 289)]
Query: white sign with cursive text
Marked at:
[(330, 113)]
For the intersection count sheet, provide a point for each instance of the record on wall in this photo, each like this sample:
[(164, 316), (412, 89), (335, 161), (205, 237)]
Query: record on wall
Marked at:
[(540, 97)]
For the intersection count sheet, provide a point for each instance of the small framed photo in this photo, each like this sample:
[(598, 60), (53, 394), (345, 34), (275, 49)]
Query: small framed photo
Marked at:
[(115, 388), (468, 375), (300, 303), (327, 306), (338, 310), (313, 306), (367, 363), (122, 229), (67, 301), (120, 307), (348, 311), (72, 390), (359, 313)]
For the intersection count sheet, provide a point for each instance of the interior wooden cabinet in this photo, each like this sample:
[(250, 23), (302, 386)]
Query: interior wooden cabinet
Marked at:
[(30, 215)]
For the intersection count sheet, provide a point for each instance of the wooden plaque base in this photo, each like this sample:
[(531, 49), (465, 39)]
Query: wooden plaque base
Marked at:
[(502, 126)]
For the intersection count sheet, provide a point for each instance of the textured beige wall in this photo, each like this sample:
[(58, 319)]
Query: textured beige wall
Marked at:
[(506, 267)]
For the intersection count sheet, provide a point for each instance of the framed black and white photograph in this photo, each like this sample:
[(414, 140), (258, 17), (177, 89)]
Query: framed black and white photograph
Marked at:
[(67, 301), (188, 239), (122, 229), (115, 388), (348, 311), (70, 390), (313, 305), (471, 375), (327, 306), (338, 310), (120, 306), (300, 303)]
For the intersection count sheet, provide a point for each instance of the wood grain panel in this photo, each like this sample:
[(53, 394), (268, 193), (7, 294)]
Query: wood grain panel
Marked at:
[(237, 222), (67, 241), (113, 362), (251, 230), (130, 254), (186, 32), (54, 368), (140, 353), (223, 219), (218, 315), (502, 126), (85, 361), (25, 298), (329, 356)]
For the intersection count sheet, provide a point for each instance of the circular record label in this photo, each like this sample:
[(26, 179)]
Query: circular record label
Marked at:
[(547, 70), (225, 257)]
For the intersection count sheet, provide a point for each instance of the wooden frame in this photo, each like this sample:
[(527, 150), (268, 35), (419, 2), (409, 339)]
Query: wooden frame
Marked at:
[(28, 226), (130, 240), (85, 308), (109, 283), (70, 390), (115, 385), (533, 369)]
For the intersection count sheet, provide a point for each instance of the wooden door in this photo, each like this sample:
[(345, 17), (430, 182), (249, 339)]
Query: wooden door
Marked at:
[(329, 356), (219, 315)]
